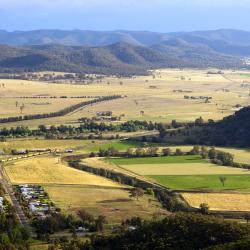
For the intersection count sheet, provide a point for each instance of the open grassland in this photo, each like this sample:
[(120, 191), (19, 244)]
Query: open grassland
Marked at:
[(174, 165), (157, 160), (43, 144), (183, 169), (11, 106), (203, 182), (185, 172), (219, 201), (44, 170), (118, 145), (240, 155), (152, 94), (114, 203)]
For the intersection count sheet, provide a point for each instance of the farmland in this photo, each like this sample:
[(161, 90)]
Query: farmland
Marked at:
[(72, 189), (44, 170), (161, 97), (231, 201), (114, 203), (185, 172), (166, 95)]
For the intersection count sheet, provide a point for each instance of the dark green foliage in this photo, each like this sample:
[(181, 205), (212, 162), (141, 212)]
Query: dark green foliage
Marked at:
[(12, 234), (231, 131), (183, 231)]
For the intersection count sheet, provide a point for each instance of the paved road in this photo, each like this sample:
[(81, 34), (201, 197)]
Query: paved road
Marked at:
[(9, 189)]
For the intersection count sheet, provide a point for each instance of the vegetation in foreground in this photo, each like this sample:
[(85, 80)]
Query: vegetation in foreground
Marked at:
[(182, 231)]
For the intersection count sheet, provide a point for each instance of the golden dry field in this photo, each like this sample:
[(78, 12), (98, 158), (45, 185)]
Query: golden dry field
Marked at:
[(44, 144), (44, 170), (220, 201), (114, 203), (184, 169), (152, 94)]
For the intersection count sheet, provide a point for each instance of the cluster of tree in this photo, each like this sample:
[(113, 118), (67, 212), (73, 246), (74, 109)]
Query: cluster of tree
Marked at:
[(52, 77), (170, 200), (231, 131), (57, 222), (56, 97), (12, 234), (182, 231), (87, 126), (129, 126), (62, 112)]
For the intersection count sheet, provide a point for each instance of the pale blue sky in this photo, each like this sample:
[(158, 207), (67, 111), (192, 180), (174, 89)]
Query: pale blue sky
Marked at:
[(153, 15)]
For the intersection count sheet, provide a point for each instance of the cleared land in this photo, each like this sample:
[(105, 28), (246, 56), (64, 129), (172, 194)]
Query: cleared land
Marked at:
[(113, 203), (184, 169), (204, 182), (72, 190), (160, 97), (157, 160), (220, 201), (186, 172), (44, 170)]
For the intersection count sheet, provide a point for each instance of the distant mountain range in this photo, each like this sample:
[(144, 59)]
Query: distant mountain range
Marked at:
[(121, 52)]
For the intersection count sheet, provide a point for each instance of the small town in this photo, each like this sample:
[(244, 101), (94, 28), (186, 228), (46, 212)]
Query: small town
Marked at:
[(36, 199)]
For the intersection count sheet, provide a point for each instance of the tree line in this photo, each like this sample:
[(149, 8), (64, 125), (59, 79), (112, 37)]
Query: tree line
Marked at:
[(170, 200), (62, 112)]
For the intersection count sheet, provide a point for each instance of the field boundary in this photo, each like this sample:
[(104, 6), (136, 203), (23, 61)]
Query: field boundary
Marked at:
[(59, 113)]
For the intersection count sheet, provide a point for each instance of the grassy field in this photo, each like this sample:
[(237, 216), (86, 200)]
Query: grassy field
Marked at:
[(73, 189), (184, 169), (154, 95), (118, 145), (220, 201), (185, 172), (44, 170), (203, 182), (43, 144), (157, 160), (113, 203)]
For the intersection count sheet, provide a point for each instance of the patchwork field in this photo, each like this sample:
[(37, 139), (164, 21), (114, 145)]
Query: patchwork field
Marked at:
[(186, 172), (220, 201), (160, 96)]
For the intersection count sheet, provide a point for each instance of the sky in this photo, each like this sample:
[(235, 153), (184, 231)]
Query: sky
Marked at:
[(151, 15)]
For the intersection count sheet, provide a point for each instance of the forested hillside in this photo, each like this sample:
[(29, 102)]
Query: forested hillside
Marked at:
[(231, 131)]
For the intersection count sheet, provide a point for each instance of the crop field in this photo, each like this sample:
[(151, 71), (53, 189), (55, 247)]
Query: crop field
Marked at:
[(114, 203), (239, 183), (184, 169), (43, 144), (185, 172), (160, 97), (220, 201), (157, 160), (44, 170)]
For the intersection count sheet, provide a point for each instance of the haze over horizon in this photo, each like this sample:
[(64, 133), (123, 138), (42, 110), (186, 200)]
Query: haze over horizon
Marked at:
[(157, 15)]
